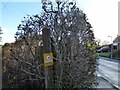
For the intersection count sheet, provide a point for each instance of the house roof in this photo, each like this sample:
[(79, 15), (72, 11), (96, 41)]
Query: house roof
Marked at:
[(117, 39)]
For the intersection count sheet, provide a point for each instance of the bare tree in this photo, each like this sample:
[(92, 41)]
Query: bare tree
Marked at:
[(0, 34), (73, 46), (105, 42), (98, 41)]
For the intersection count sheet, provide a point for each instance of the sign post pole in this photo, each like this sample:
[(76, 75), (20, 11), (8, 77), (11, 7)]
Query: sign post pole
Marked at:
[(48, 58)]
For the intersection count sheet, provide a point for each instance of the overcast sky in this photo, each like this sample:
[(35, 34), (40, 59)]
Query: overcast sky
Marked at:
[(102, 14)]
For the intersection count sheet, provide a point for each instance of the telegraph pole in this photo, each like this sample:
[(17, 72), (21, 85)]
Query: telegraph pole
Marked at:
[(47, 49), (49, 81)]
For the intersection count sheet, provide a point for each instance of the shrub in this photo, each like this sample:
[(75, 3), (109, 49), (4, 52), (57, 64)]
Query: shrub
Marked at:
[(104, 54), (116, 54)]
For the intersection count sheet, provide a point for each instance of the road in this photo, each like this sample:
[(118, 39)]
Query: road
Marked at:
[(108, 69)]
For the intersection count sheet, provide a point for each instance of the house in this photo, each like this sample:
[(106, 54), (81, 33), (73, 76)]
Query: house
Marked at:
[(116, 43)]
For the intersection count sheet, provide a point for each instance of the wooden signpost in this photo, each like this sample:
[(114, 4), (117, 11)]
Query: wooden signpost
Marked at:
[(48, 58)]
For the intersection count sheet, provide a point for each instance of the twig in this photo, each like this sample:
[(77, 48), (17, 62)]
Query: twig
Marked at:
[(29, 47), (14, 56), (32, 74)]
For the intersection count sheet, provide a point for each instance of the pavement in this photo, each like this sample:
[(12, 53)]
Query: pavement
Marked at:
[(104, 83)]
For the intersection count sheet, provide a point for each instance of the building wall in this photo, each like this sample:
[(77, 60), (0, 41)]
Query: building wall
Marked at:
[(116, 46)]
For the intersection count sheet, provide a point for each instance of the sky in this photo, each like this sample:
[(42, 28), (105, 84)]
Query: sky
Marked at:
[(102, 14)]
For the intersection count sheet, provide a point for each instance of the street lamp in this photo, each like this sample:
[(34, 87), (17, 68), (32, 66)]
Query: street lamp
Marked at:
[(111, 38), (111, 45)]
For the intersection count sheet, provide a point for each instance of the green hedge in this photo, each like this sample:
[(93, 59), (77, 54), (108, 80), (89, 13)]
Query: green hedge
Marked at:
[(104, 54), (116, 54)]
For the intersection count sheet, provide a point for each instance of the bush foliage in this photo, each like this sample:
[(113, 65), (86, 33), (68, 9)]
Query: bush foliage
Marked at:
[(116, 54)]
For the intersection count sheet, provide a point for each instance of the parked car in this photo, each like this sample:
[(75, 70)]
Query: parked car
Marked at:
[(104, 49)]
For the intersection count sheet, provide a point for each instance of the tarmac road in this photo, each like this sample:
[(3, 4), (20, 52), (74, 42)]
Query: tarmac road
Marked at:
[(108, 73)]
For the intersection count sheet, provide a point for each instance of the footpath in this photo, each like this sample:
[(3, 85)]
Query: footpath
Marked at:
[(104, 84)]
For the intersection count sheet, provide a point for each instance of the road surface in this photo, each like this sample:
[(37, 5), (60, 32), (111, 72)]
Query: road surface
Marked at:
[(108, 69)]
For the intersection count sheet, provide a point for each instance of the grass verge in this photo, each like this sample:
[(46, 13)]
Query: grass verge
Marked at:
[(104, 54)]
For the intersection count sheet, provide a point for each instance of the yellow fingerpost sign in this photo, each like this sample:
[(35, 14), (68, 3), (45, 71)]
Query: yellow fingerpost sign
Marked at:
[(48, 59)]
